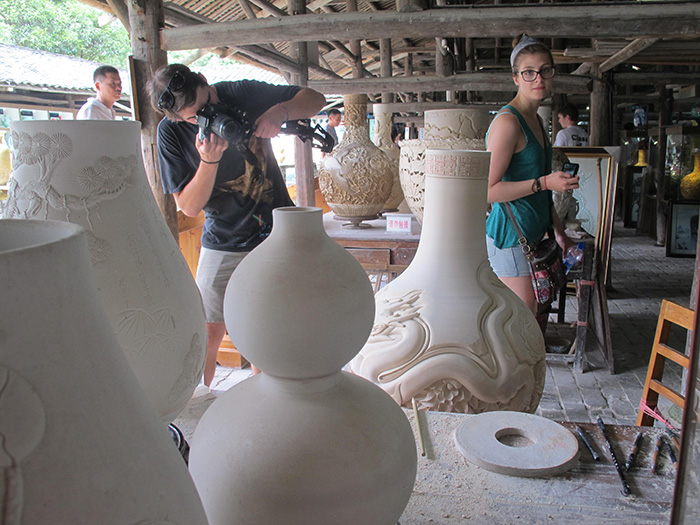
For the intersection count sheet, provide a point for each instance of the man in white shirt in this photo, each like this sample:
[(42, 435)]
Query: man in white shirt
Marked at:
[(571, 134), (108, 85)]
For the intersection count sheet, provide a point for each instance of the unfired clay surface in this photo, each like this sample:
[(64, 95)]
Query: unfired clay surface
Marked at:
[(90, 173), (447, 332)]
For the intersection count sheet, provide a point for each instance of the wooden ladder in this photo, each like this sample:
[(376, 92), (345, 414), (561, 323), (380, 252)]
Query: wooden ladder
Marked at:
[(670, 314)]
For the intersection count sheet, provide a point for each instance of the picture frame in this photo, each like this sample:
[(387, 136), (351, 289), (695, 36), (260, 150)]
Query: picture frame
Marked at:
[(633, 197), (682, 232)]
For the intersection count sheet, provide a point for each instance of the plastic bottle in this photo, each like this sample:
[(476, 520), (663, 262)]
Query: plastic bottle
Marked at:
[(573, 256)]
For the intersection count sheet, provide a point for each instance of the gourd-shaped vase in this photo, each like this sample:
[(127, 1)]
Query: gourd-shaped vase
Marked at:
[(303, 442), (91, 173), (690, 184), (382, 139), (459, 128), (356, 177), (447, 331), (80, 444)]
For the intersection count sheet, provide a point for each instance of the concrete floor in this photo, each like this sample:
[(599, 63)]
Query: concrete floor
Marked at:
[(642, 276)]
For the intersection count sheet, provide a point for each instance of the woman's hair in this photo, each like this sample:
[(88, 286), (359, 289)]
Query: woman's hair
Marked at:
[(182, 97), (524, 45)]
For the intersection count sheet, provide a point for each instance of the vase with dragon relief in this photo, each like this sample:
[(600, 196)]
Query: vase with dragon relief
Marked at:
[(356, 178), (459, 128), (91, 173), (382, 139), (304, 442), (447, 332), (79, 441)]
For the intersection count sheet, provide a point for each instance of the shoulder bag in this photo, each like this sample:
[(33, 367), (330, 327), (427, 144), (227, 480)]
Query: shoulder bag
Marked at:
[(545, 260)]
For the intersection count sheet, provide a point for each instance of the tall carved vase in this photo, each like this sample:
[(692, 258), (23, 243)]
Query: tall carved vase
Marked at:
[(356, 177), (383, 117), (91, 173), (447, 332), (459, 128), (303, 442), (80, 444)]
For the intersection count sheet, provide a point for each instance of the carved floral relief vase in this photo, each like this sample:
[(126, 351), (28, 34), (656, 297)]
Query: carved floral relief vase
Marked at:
[(382, 139), (313, 444), (447, 331), (459, 128), (91, 173), (356, 177), (79, 441)]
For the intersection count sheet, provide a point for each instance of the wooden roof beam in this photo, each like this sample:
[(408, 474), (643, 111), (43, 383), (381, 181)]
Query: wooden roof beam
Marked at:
[(594, 21), (460, 82), (634, 47)]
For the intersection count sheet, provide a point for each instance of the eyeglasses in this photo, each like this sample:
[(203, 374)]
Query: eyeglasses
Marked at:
[(167, 99), (529, 75)]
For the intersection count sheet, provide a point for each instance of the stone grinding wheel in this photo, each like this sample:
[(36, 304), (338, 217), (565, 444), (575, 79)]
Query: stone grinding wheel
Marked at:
[(517, 444)]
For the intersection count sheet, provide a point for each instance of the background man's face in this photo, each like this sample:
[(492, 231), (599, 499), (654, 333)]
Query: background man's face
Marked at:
[(110, 87), (334, 120)]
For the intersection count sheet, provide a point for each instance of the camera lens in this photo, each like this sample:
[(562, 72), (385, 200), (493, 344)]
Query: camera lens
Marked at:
[(228, 128)]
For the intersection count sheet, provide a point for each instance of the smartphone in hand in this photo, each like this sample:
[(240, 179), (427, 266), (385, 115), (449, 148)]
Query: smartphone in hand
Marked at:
[(571, 168)]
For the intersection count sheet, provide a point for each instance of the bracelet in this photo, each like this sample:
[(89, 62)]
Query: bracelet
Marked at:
[(544, 179), (536, 186), (285, 110), (207, 162)]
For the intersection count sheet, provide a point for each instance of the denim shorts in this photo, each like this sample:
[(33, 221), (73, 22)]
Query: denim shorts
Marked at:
[(213, 273), (507, 262)]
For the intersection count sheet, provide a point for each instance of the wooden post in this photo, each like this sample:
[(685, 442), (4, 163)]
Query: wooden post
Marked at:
[(303, 161), (386, 67), (665, 111), (600, 113), (146, 20)]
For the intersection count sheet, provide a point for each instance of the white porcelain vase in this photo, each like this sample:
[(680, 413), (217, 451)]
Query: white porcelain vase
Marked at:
[(459, 128), (356, 177), (80, 444), (447, 332), (91, 173), (303, 442), (383, 121)]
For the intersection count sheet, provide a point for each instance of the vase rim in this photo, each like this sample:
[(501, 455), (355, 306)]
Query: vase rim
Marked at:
[(26, 234), (297, 209)]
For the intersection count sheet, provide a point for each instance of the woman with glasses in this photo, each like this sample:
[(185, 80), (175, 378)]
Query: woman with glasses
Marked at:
[(520, 171)]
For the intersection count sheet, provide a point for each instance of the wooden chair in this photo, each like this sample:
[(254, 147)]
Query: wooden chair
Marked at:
[(670, 314)]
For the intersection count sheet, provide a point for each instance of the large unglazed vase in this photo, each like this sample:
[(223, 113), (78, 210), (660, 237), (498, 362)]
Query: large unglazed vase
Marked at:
[(356, 178), (91, 173), (447, 332), (383, 121), (79, 442), (459, 128), (303, 442)]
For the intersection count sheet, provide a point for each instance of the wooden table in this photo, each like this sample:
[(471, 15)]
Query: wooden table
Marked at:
[(382, 254), (450, 490)]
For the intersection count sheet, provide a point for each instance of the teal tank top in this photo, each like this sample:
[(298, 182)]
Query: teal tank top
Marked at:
[(533, 212)]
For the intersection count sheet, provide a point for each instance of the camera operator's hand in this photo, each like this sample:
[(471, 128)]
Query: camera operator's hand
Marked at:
[(269, 123), (212, 148), (560, 181)]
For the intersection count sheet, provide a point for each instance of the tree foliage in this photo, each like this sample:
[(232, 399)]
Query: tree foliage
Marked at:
[(67, 27)]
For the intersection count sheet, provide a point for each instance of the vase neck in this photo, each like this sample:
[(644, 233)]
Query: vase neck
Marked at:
[(297, 221)]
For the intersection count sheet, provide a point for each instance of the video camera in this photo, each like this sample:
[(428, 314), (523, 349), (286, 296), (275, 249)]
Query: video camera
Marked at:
[(232, 124)]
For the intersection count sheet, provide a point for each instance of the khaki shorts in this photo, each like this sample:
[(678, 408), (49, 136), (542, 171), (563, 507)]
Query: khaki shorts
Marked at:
[(213, 273)]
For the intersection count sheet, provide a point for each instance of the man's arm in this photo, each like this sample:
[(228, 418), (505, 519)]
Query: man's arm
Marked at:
[(306, 103)]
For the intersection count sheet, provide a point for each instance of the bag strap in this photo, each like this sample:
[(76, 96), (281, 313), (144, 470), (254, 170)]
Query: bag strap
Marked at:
[(524, 245)]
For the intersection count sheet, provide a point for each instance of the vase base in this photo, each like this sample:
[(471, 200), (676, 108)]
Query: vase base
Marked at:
[(356, 222)]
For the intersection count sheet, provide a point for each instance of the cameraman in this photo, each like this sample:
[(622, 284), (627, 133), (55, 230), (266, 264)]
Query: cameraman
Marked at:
[(212, 175)]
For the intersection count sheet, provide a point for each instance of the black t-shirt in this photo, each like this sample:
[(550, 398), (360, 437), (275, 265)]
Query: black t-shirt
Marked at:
[(239, 211)]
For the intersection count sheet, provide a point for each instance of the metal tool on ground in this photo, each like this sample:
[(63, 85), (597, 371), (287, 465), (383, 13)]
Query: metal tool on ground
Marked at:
[(590, 448), (671, 453), (657, 450), (625, 487), (633, 453)]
